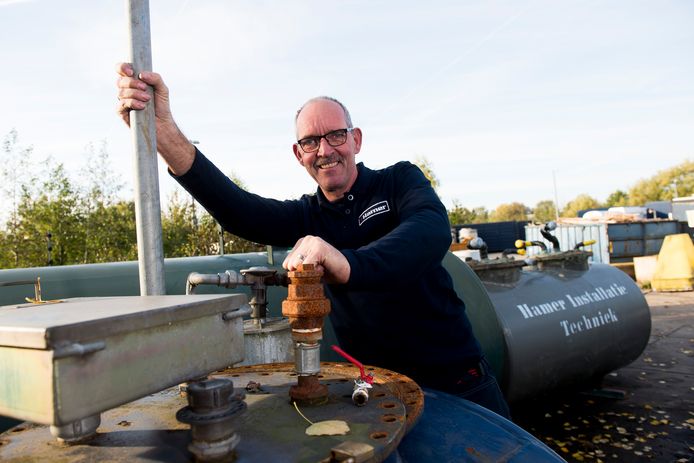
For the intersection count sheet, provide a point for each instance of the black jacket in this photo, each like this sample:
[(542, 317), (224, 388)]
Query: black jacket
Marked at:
[(399, 309)]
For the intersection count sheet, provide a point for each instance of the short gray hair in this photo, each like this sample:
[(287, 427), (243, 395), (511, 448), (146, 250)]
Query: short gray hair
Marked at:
[(348, 118)]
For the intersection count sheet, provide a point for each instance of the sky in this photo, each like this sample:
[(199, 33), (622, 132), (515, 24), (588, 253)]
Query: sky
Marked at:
[(502, 97)]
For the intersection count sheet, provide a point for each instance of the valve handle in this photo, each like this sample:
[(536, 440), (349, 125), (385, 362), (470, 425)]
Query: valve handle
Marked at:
[(362, 374)]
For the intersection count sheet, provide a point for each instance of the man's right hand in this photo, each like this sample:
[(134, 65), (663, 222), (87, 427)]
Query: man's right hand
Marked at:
[(133, 94)]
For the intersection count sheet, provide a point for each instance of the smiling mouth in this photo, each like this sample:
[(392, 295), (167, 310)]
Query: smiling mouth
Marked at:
[(328, 165)]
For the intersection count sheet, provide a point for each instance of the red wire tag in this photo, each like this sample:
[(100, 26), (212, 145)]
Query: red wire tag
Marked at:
[(368, 378)]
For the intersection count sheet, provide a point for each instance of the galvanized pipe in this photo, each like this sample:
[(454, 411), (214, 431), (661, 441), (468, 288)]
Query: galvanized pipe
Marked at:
[(228, 279), (307, 358), (150, 251)]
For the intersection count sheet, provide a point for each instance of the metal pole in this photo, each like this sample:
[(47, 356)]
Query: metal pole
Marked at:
[(150, 251), (556, 198), (221, 239)]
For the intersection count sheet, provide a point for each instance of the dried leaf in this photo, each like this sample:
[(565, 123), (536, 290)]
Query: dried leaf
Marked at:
[(328, 428)]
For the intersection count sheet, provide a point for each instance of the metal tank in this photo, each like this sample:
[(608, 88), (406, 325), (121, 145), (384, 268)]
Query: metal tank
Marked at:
[(556, 323), (526, 364), (226, 419), (121, 278)]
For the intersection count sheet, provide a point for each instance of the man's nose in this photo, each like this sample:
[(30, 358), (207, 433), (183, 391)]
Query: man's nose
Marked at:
[(324, 149)]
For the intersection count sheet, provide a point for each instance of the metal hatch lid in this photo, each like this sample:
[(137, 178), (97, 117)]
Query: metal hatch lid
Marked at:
[(46, 326)]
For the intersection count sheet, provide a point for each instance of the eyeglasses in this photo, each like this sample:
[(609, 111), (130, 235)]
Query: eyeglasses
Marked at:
[(334, 138)]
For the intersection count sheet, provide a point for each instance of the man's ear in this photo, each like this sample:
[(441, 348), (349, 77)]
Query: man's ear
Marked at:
[(297, 153), (356, 133)]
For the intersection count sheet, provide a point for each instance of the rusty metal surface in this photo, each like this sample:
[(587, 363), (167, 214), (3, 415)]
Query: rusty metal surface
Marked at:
[(306, 303), (270, 429), (573, 260), (505, 271), (400, 386), (309, 391), (306, 307)]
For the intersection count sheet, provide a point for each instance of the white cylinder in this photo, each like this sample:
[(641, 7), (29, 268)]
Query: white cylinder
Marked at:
[(467, 234)]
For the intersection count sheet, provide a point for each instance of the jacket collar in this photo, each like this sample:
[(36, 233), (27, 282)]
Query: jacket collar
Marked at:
[(361, 184)]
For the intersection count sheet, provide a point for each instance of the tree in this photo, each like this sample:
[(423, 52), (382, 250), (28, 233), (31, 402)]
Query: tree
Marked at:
[(187, 232), (617, 198), (233, 243), (513, 211), (579, 203), (459, 215), (104, 215), (17, 177), (179, 228), (481, 214), (54, 211), (79, 224), (6, 254), (112, 233), (545, 211), (427, 169), (664, 185)]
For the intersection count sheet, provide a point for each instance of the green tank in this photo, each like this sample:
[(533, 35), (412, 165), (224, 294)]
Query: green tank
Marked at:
[(541, 327)]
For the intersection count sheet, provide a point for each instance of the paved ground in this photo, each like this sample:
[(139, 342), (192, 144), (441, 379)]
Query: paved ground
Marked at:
[(654, 421)]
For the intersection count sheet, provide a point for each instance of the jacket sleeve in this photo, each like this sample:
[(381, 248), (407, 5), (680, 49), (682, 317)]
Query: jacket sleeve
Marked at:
[(416, 245), (242, 213)]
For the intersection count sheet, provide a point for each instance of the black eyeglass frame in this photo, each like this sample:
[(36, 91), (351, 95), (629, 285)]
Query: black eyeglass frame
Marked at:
[(318, 138)]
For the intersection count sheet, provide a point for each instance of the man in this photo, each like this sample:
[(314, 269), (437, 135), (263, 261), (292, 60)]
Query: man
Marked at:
[(379, 237)]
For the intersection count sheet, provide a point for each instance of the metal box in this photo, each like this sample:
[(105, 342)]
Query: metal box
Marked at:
[(63, 362)]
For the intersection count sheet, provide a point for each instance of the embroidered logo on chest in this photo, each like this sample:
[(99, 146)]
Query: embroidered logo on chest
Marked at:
[(373, 210)]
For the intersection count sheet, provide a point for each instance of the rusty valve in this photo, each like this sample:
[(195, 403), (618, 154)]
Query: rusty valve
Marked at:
[(306, 306)]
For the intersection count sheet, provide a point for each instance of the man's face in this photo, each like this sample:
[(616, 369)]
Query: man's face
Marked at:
[(332, 167)]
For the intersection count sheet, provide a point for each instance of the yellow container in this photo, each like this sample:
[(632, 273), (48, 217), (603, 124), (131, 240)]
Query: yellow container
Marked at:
[(675, 268)]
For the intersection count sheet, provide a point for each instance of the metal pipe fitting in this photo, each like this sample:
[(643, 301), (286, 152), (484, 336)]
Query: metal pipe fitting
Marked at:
[(258, 278), (479, 244), (307, 358), (306, 306), (540, 244), (229, 279), (545, 232), (211, 408), (360, 395)]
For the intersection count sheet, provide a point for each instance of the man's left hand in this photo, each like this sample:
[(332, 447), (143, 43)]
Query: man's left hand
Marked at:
[(316, 251)]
